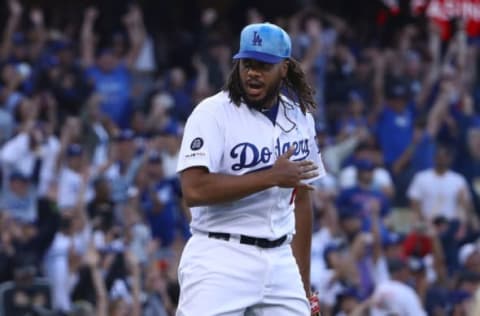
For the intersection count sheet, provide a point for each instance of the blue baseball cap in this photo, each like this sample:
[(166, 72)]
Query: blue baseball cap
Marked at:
[(331, 247), (264, 42), (154, 158), (364, 165), (172, 129), (349, 292), (74, 150), (125, 135), (392, 239), (18, 175), (348, 212)]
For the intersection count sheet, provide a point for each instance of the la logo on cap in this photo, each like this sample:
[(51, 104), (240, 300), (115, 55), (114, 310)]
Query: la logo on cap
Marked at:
[(257, 40), (265, 42)]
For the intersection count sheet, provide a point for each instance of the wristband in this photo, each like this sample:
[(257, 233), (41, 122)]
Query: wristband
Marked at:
[(314, 305)]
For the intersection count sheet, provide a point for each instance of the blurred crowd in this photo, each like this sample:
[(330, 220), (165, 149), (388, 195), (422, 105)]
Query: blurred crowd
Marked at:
[(92, 220)]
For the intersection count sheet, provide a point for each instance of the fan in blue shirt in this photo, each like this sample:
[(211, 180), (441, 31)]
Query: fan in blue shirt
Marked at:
[(159, 202), (112, 81), (362, 196)]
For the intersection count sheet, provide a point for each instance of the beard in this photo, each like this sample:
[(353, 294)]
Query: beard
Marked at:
[(271, 94)]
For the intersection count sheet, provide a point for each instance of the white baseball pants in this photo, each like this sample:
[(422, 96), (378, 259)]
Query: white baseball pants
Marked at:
[(226, 278)]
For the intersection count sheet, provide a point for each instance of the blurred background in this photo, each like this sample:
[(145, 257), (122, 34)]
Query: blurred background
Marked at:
[(93, 99)]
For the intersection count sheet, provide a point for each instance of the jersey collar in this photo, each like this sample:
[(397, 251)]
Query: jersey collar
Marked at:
[(285, 115)]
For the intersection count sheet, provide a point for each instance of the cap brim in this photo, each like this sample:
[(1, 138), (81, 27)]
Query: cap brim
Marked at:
[(263, 57)]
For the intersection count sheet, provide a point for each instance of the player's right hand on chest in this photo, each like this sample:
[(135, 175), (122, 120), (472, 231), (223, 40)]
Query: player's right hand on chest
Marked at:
[(289, 174)]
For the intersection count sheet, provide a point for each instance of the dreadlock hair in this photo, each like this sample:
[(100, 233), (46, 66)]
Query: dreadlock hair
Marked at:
[(294, 84)]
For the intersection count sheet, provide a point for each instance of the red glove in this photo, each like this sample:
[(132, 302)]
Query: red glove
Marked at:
[(314, 305)]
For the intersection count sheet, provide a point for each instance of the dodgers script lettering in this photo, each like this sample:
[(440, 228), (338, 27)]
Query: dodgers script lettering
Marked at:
[(248, 155)]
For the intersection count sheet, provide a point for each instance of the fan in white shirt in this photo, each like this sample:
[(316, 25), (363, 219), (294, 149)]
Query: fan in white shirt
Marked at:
[(381, 178), (394, 297), (70, 178), (440, 192), (469, 257), (20, 198), (70, 242), (22, 153), (170, 140), (321, 274)]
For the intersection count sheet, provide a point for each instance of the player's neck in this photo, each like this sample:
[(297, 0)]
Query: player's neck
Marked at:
[(270, 104)]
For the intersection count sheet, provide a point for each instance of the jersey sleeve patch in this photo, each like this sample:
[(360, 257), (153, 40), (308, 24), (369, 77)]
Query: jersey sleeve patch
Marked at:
[(196, 144)]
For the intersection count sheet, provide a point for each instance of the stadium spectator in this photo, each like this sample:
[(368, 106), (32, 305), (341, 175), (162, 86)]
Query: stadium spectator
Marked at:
[(93, 101), (440, 192)]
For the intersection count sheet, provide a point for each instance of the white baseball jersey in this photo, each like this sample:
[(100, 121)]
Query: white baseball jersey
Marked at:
[(237, 140)]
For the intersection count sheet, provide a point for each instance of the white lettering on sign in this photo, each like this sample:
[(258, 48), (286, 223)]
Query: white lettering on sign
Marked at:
[(448, 9)]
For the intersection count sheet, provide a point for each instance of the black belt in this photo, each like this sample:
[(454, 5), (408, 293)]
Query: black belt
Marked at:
[(253, 241)]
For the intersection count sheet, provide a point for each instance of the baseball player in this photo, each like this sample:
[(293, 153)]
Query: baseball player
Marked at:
[(247, 159)]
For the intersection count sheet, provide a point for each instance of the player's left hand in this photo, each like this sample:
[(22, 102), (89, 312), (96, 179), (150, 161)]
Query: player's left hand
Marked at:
[(290, 174)]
